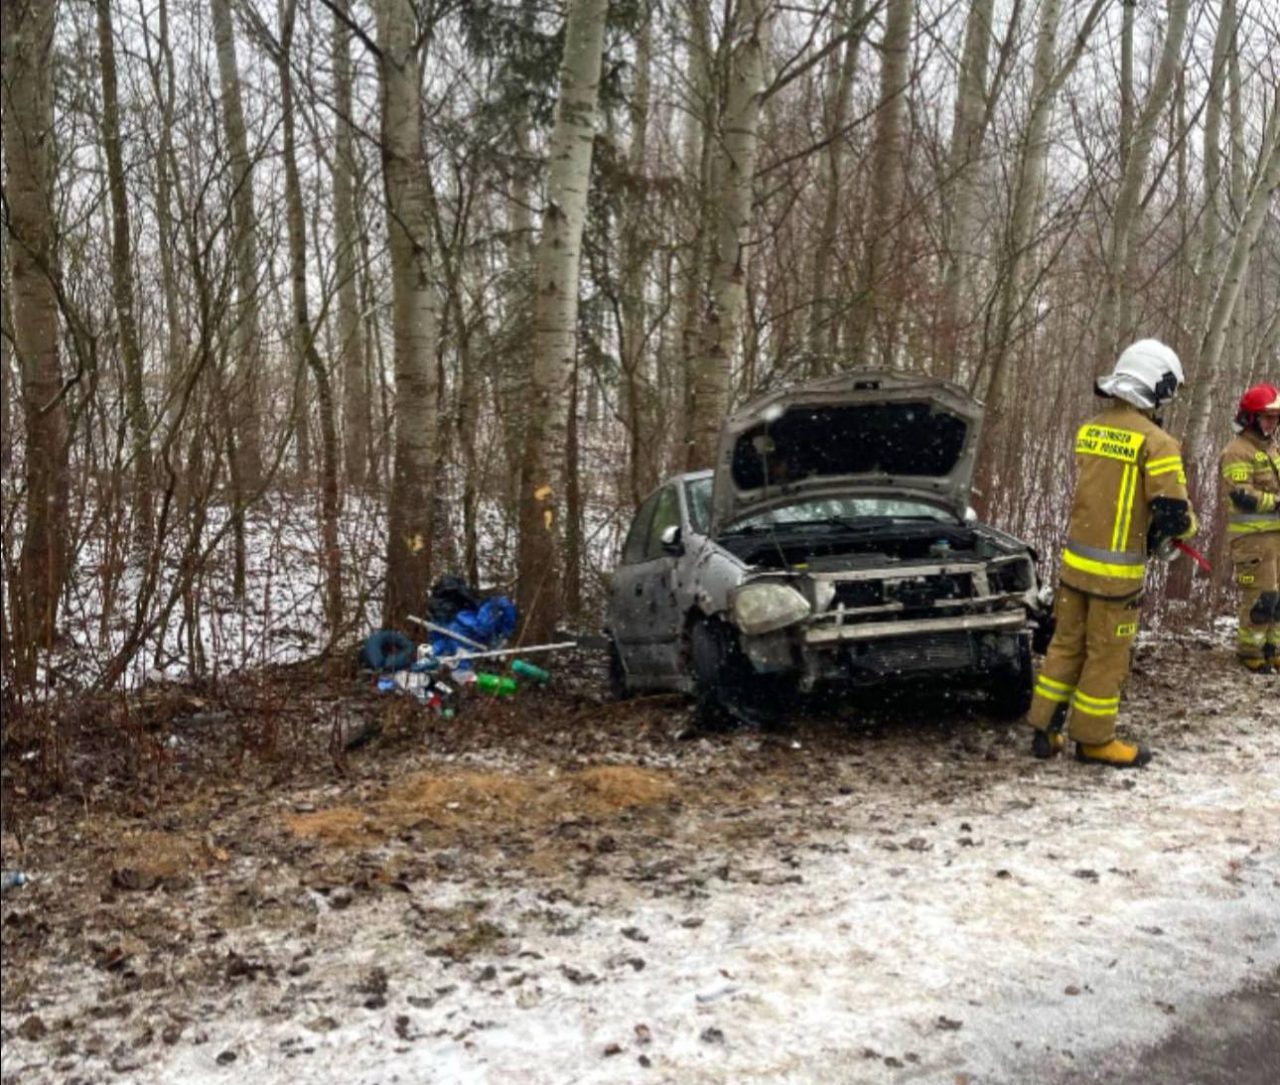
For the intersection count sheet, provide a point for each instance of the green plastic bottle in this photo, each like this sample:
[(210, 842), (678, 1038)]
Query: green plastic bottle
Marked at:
[(531, 672), (495, 683)]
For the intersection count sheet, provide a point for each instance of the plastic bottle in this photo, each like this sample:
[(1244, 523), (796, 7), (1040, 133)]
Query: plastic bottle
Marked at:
[(531, 671), (12, 879), (495, 683)]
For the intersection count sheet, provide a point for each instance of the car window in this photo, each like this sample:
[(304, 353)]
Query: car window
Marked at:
[(633, 549), (665, 513), (698, 496), (819, 510)]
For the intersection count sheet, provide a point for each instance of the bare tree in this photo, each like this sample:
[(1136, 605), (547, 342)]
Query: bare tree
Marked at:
[(28, 29), (355, 391), (1048, 75), (729, 212), (1114, 319), (963, 181), (304, 336), (123, 291), (542, 472), (822, 325), (414, 317), (638, 390), (243, 386), (887, 167)]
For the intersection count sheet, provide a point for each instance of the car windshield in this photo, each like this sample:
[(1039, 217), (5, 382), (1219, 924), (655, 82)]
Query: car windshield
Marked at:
[(840, 512)]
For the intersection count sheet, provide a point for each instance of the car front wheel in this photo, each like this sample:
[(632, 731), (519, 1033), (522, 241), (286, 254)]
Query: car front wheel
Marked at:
[(1012, 686), (726, 686)]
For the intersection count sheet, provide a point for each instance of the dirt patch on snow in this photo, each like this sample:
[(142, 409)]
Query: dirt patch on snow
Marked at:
[(492, 799)]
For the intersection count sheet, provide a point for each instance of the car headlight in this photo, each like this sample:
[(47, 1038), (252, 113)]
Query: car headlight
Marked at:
[(762, 608)]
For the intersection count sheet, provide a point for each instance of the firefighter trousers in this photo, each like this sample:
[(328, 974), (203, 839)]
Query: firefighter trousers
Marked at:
[(1257, 572), (1086, 665)]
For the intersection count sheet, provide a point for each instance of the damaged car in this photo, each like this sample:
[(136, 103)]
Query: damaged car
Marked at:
[(831, 548)]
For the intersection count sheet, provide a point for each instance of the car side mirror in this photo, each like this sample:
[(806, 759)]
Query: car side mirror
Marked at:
[(671, 541)]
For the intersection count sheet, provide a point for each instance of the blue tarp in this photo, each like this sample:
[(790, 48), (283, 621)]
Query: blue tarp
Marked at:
[(491, 623)]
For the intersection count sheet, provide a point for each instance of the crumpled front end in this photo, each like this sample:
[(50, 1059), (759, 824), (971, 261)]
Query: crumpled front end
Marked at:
[(865, 618)]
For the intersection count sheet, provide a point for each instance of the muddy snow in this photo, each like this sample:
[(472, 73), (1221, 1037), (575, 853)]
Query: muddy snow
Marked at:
[(556, 889)]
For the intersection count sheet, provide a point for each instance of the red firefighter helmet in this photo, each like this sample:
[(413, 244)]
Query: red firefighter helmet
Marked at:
[(1257, 400)]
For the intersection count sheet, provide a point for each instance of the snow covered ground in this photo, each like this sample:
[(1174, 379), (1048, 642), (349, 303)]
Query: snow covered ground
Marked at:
[(579, 896)]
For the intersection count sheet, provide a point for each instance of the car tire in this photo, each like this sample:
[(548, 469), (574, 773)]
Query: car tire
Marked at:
[(619, 689), (726, 687), (1012, 686), (712, 665)]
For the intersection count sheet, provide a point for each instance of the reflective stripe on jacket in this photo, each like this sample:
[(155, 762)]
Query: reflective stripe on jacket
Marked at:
[(1124, 461), (1250, 468)]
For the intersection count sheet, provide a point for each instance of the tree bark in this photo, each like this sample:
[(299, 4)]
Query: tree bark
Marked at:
[(730, 210), (823, 336), (964, 161), (28, 27), (540, 592), (639, 391), (414, 316), (122, 288), (304, 335), (1205, 377), (1048, 76), (245, 380), (700, 123), (1113, 316), (887, 175), (1256, 206), (163, 80), (355, 396)]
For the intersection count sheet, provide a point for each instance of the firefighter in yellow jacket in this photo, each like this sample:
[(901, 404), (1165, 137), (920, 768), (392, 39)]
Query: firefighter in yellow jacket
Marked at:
[(1130, 503), (1251, 484)]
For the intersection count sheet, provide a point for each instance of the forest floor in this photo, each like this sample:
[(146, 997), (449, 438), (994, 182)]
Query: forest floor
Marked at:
[(555, 889)]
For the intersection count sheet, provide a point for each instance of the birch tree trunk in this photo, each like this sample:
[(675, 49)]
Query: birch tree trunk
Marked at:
[(887, 175), (964, 160), (27, 33), (539, 596), (414, 318), (730, 210), (1114, 321), (122, 288), (355, 396), (244, 384), (822, 336), (304, 335)]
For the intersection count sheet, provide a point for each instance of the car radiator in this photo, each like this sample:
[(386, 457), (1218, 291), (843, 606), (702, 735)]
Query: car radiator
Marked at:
[(923, 652)]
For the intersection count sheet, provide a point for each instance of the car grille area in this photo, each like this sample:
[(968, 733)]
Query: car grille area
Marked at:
[(913, 654)]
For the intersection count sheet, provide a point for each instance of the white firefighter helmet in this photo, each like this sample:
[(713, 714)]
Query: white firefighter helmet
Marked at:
[(1147, 374)]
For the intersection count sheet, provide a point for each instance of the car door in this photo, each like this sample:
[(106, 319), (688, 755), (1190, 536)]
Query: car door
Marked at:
[(646, 613)]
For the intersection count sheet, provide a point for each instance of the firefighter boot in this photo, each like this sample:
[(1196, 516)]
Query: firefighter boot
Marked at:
[(1117, 754), (1050, 741)]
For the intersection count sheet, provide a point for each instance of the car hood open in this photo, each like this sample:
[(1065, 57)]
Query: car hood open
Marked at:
[(874, 433)]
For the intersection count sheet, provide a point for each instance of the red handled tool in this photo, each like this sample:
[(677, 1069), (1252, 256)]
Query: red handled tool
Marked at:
[(1194, 555)]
